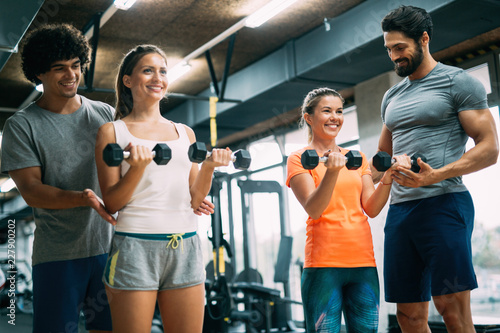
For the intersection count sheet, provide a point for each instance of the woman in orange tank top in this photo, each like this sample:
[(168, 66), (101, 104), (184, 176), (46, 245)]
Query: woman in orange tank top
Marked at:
[(340, 274)]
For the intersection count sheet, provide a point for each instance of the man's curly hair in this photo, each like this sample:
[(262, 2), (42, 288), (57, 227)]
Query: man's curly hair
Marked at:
[(50, 43)]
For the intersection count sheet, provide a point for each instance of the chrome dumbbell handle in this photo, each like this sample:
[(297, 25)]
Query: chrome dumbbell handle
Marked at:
[(126, 154), (233, 157), (323, 159)]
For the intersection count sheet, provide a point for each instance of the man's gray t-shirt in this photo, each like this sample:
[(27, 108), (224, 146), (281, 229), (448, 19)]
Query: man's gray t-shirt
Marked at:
[(422, 116), (63, 146)]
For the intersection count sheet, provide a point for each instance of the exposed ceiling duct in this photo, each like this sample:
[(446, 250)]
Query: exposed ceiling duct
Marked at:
[(350, 52)]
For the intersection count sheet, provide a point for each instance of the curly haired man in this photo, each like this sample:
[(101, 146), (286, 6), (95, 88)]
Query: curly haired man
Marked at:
[(48, 150)]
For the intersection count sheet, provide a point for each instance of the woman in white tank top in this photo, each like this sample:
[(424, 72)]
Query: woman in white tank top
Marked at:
[(156, 204)]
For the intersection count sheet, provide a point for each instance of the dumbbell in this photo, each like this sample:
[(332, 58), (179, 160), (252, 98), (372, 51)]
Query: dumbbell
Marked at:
[(113, 154), (383, 161), (310, 159), (197, 153)]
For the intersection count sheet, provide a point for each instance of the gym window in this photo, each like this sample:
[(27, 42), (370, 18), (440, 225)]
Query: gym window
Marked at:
[(486, 235)]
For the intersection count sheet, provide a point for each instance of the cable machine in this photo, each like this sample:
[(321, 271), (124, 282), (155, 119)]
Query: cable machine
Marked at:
[(243, 297)]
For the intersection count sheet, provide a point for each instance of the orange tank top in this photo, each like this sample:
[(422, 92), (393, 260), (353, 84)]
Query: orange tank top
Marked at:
[(341, 236)]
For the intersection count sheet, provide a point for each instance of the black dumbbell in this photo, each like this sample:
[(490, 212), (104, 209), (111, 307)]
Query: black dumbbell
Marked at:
[(310, 159), (197, 153), (113, 154), (383, 161)]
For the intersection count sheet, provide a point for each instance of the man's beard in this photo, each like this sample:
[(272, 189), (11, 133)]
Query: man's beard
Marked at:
[(413, 63)]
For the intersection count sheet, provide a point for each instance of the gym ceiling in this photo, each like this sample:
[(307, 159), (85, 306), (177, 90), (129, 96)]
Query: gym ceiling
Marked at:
[(312, 43)]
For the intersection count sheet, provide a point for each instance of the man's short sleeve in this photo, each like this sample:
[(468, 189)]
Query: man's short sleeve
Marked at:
[(18, 148), (383, 106), (468, 93)]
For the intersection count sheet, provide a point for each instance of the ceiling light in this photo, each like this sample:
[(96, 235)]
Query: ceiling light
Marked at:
[(7, 185), (177, 71), (256, 19), (267, 12), (124, 4)]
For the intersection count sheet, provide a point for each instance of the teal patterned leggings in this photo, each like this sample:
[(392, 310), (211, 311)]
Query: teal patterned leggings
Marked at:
[(329, 291)]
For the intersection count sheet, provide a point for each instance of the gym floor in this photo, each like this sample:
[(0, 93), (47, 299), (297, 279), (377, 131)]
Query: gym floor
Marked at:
[(24, 324)]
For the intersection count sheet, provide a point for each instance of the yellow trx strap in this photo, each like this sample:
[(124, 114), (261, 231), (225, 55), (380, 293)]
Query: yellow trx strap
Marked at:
[(213, 124), (222, 263)]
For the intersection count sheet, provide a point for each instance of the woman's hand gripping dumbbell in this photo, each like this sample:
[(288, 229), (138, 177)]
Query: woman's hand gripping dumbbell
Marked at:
[(310, 159), (198, 153), (113, 154)]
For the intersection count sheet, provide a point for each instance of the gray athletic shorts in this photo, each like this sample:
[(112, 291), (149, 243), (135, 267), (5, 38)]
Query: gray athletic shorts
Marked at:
[(154, 261)]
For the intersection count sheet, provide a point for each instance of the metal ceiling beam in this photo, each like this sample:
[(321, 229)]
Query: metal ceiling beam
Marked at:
[(264, 75), (88, 31), (350, 32), (299, 56), (215, 41), (15, 18), (211, 70), (198, 98), (215, 84), (95, 24), (229, 56)]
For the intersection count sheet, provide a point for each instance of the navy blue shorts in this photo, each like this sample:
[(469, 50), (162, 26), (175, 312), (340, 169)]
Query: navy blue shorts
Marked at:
[(428, 248), (61, 289)]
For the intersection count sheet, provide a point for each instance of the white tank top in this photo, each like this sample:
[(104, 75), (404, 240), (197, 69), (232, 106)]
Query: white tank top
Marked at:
[(161, 202)]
